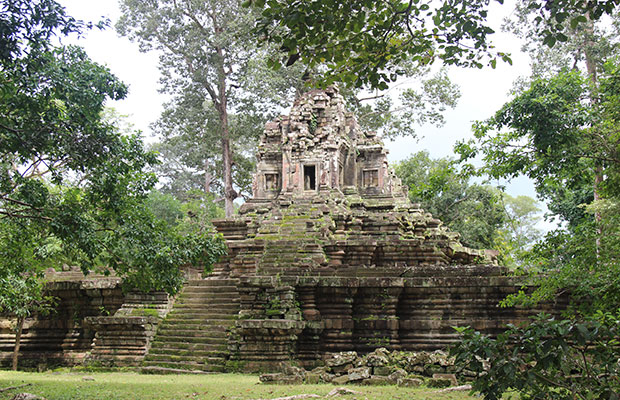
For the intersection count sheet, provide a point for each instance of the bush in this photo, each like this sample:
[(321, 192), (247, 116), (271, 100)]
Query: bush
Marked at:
[(548, 359)]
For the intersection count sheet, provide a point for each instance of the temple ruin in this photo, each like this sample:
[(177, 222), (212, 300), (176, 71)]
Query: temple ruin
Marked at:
[(329, 255)]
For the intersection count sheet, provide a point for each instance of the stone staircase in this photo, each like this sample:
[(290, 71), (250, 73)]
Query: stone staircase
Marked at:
[(193, 336)]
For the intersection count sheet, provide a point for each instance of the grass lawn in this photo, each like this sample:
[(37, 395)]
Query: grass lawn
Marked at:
[(132, 386)]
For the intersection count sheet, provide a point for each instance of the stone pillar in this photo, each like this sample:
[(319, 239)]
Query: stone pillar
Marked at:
[(374, 315), (309, 349), (336, 306), (266, 343), (121, 341)]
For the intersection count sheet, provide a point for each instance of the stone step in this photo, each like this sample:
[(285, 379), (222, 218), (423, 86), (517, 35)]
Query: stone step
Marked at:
[(194, 336), (213, 282), (205, 336), (201, 304), (169, 358), (176, 345), (202, 329), (200, 300), (210, 289), (171, 355), (210, 295), (184, 365), (203, 311), (216, 297), (217, 323), (190, 313)]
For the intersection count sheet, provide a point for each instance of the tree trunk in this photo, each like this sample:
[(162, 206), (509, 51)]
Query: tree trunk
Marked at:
[(208, 177), (592, 75), (229, 192), (18, 339)]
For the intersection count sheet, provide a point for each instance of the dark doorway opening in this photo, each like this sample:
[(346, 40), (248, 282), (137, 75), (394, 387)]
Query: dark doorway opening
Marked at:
[(309, 177)]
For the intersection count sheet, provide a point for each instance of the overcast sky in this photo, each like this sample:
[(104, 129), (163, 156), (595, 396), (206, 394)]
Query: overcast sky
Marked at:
[(483, 90)]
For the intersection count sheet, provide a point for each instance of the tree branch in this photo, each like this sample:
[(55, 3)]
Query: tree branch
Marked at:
[(24, 216)]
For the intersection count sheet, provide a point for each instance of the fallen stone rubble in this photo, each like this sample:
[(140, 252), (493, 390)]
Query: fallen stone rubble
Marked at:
[(381, 367)]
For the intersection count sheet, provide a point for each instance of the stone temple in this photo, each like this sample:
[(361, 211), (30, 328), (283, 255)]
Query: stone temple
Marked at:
[(329, 255)]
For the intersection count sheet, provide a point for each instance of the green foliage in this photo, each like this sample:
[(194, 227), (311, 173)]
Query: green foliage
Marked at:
[(416, 106), (145, 312), (548, 359), (554, 23), (473, 210), (365, 42), (552, 134), (22, 296), (520, 232), (584, 261), (28, 26), (72, 186), (562, 133)]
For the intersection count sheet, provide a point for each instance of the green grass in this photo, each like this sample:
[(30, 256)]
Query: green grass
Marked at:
[(119, 386)]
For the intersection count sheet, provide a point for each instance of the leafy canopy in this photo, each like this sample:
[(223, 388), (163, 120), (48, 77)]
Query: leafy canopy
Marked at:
[(72, 187), (364, 42)]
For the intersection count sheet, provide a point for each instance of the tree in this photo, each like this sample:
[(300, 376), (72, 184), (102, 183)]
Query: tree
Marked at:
[(25, 252), (560, 129), (205, 48), (415, 106), (72, 187), (520, 231), (484, 216), (189, 151), (473, 210), (552, 133), (363, 42)]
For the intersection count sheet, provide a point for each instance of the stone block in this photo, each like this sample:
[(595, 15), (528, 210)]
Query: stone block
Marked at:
[(399, 373), (312, 378), (450, 377), (438, 382), (376, 381), (383, 370), (338, 359), (410, 382), (340, 380), (376, 360), (281, 379), (357, 374), (341, 369)]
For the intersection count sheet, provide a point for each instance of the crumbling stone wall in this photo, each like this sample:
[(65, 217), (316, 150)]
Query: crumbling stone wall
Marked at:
[(61, 338)]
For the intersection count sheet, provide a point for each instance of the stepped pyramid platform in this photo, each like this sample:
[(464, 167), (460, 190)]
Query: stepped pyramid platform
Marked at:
[(332, 256), (194, 335)]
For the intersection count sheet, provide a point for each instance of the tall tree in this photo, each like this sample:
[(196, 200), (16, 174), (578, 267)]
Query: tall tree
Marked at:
[(205, 47), (72, 187), (484, 216), (583, 44), (395, 113), (475, 211), (554, 133)]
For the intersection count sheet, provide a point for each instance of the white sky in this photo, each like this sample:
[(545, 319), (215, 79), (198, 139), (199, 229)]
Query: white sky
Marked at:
[(483, 90)]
